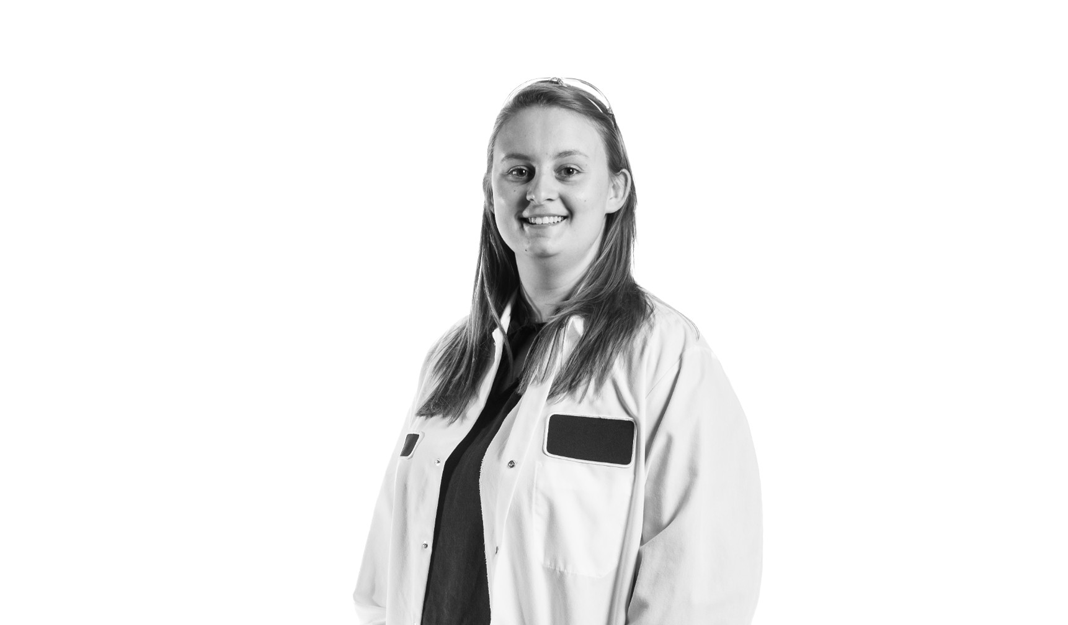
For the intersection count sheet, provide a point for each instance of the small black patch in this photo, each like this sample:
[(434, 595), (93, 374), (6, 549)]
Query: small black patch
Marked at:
[(593, 439), (409, 444)]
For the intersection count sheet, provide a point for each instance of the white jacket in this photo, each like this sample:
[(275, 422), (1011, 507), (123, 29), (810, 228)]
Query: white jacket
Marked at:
[(668, 531)]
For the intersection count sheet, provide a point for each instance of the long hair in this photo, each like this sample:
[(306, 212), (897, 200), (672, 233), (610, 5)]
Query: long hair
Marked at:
[(613, 307)]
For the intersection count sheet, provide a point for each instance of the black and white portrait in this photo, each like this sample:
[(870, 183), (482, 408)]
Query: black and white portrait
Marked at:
[(239, 242)]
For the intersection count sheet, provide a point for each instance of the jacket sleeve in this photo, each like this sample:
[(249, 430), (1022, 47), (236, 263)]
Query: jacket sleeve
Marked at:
[(700, 554), (372, 584)]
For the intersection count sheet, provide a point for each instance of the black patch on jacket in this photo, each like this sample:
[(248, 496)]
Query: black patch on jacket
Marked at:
[(409, 444), (592, 439)]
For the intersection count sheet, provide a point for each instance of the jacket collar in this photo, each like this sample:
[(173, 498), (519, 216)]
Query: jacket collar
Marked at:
[(575, 325)]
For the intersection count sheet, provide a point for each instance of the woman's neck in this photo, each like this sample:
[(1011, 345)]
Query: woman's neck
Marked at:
[(546, 290)]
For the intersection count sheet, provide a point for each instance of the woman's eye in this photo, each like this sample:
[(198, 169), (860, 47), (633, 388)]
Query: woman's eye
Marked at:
[(568, 171), (518, 172)]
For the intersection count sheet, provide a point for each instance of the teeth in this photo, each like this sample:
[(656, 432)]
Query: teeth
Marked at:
[(541, 221)]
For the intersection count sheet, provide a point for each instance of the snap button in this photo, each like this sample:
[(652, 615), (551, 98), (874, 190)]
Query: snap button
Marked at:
[(426, 545), (437, 462), (511, 463)]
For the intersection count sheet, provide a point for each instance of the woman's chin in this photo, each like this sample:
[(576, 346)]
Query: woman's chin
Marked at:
[(541, 251)]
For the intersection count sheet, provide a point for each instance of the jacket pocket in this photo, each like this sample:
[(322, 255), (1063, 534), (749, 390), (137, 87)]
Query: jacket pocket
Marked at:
[(582, 490)]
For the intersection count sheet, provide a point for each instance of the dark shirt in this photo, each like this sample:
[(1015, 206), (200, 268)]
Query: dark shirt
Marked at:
[(457, 589)]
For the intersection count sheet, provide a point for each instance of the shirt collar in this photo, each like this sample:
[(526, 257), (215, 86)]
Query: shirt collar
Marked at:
[(575, 325)]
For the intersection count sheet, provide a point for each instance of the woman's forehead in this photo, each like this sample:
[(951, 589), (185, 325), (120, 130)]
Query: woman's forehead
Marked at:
[(548, 131)]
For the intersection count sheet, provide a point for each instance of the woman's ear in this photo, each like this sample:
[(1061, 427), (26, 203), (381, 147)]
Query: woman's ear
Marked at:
[(618, 191)]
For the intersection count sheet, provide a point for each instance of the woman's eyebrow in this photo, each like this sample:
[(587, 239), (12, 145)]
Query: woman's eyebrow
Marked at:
[(524, 157), (515, 156)]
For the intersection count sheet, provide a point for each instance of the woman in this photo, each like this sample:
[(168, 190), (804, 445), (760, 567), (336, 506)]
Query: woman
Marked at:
[(575, 454)]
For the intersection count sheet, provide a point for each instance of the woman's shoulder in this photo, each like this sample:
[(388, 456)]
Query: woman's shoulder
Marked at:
[(667, 337), (669, 330), (446, 337), (454, 328)]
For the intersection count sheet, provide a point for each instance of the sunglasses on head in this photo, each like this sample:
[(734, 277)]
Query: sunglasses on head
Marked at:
[(593, 94)]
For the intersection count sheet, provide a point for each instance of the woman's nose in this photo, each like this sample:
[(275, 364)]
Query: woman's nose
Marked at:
[(541, 189)]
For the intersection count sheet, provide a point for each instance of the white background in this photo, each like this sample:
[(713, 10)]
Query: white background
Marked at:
[(230, 231)]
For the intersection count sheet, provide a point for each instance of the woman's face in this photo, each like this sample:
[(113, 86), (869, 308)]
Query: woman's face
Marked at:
[(552, 189)]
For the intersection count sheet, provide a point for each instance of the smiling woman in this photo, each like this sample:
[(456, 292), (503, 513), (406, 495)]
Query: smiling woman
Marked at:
[(552, 189), (574, 453)]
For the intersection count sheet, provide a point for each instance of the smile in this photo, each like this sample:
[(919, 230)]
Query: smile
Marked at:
[(544, 221)]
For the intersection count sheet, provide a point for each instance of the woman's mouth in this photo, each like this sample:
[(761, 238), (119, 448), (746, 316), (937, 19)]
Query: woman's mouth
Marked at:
[(547, 220)]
